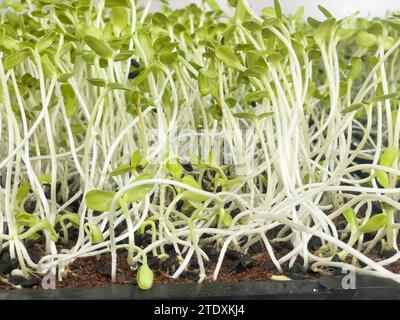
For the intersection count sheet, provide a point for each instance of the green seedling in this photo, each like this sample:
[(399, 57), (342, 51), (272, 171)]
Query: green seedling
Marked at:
[(373, 224)]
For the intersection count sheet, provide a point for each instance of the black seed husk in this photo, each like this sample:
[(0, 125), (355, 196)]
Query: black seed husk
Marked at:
[(135, 63), (133, 74), (187, 166)]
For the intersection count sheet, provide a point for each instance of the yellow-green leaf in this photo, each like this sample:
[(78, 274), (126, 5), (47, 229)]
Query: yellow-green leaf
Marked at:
[(45, 178), (383, 178), (228, 57), (389, 156), (99, 200), (135, 158), (375, 223), (350, 216), (174, 167), (22, 192), (95, 234), (192, 196), (353, 107), (121, 170), (16, 58), (138, 193), (145, 277), (98, 46), (366, 40)]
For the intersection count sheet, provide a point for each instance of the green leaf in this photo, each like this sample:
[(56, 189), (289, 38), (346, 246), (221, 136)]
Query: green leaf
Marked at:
[(22, 192), (96, 236), (252, 25), (245, 115), (98, 46), (264, 115), (48, 66), (117, 3), (389, 156), (324, 30), (8, 42), (15, 59), (213, 5), (353, 107), (45, 178), (64, 77), (299, 14), (47, 226), (168, 58), (26, 219), (231, 102), (385, 97), (275, 58), (386, 42), (376, 28), (350, 216), (383, 178), (175, 168), (179, 28), (45, 42), (121, 170), (118, 86), (124, 55), (205, 85), (325, 12), (138, 193), (66, 48), (375, 223), (69, 98), (278, 9), (313, 23), (16, 6), (366, 40), (161, 19), (241, 13), (143, 75), (189, 180), (119, 20), (356, 68), (233, 3), (344, 34), (256, 95), (147, 45), (224, 219), (97, 82), (88, 30), (8, 30), (256, 71), (210, 74), (99, 200), (145, 277), (72, 217), (228, 57), (136, 156), (77, 128)]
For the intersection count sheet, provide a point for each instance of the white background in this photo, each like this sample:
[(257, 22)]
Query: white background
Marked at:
[(339, 8)]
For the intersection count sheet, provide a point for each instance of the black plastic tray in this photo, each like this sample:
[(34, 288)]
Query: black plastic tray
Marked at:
[(325, 288)]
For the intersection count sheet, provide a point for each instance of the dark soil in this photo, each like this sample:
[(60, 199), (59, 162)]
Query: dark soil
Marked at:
[(85, 272), (96, 271)]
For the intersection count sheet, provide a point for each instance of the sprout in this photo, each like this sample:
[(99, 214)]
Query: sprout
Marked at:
[(373, 224), (145, 277), (210, 129)]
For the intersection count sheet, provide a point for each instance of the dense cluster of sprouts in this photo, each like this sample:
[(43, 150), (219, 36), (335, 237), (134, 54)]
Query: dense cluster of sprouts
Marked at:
[(197, 128)]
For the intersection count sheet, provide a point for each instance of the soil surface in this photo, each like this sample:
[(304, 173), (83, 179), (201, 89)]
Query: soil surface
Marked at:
[(255, 265)]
